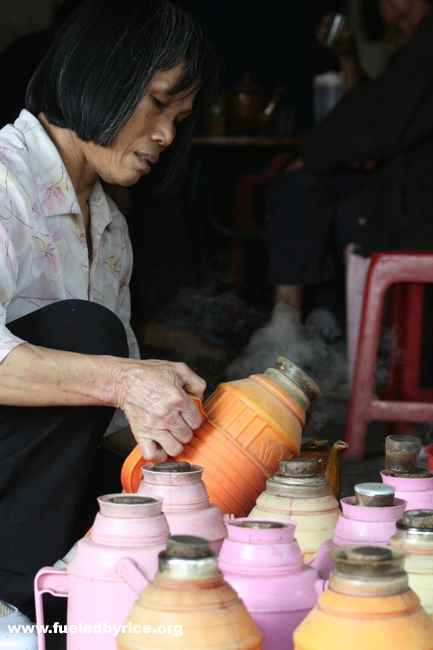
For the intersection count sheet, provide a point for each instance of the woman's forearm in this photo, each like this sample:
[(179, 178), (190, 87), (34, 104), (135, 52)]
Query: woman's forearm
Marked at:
[(153, 394), (36, 376)]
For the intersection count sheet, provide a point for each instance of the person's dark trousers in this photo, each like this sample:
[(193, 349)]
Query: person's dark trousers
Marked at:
[(311, 219), (49, 456)]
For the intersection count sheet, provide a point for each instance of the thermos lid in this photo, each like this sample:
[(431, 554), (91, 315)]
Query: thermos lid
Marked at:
[(365, 554), (397, 443), (176, 466), (417, 472), (187, 557), (188, 546), (260, 524), (402, 453), (374, 494), (419, 519), (367, 562), (298, 467), (294, 380), (129, 506)]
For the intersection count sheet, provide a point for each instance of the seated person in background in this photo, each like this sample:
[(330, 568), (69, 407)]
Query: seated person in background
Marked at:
[(365, 174)]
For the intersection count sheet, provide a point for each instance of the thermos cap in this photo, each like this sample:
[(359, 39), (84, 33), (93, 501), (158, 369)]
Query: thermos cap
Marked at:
[(422, 519), (260, 524), (129, 506), (176, 466), (374, 494), (402, 453), (368, 570), (188, 558), (368, 554), (298, 467), (294, 380), (188, 546)]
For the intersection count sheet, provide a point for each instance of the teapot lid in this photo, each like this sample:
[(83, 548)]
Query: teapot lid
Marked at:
[(310, 443)]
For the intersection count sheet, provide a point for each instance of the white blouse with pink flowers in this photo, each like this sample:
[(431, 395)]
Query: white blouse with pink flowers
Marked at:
[(44, 255)]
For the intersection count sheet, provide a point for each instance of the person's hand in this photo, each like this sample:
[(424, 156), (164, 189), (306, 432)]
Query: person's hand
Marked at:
[(153, 396), (345, 45)]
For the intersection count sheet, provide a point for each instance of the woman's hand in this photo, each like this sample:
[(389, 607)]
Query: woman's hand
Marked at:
[(345, 44), (153, 396)]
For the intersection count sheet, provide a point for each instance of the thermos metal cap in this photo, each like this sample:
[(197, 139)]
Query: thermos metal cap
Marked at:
[(421, 519), (261, 524), (368, 570), (374, 494), (172, 466), (368, 554), (130, 500), (294, 380), (188, 558), (129, 506), (402, 453), (188, 546), (418, 472), (298, 467)]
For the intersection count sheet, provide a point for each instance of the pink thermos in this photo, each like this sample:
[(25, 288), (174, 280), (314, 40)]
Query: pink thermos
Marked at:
[(110, 568), (262, 561), (185, 500), (412, 483), (370, 517)]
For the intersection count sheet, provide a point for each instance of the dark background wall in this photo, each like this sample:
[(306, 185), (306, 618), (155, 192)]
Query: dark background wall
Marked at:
[(273, 40)]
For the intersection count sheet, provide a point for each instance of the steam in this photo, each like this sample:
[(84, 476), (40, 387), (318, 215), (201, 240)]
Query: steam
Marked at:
[(316, 347)]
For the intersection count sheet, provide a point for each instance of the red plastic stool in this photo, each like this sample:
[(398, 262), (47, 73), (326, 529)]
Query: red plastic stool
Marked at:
[(404, 401)]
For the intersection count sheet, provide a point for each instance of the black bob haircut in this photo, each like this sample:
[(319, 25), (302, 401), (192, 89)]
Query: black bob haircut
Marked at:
[(102, 61)]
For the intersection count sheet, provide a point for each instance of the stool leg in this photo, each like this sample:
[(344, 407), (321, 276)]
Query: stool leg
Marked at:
[(365, 367), (412, 332)]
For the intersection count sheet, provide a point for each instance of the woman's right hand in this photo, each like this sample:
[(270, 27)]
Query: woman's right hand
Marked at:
[(153, 396)]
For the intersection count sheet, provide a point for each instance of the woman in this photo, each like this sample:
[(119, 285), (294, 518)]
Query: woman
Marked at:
[(121, 80)]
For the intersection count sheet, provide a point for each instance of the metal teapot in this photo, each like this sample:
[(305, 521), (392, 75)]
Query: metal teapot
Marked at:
[(247, 113), (328, 459)]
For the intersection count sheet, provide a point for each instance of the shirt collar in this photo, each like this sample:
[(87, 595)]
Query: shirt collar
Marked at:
[(54, 187)]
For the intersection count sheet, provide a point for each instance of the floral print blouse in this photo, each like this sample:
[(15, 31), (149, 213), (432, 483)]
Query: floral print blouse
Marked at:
[(43, 249)]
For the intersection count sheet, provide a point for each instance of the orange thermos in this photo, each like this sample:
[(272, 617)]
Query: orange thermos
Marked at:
[(367, 606), (251, 424), (188, 605)]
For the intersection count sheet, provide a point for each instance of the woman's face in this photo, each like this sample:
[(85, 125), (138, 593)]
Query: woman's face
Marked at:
[(150, 129)]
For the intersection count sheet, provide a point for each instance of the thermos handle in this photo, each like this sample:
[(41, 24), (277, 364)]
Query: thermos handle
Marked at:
[(320, 585), (130, 572), (52, 581)]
